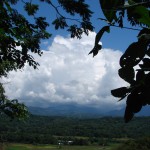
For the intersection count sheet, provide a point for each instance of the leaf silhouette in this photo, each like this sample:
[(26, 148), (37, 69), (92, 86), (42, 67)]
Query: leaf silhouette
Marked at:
[(127, 73), (120, 92), (140, 76), (97, 46), (133, 55), (100, 33), (95, 50), (107, 6), (128, 114), (134, 100)]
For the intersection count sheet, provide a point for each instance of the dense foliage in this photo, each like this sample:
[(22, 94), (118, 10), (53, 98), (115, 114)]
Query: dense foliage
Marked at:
[(38, 129), (138, 53), (20, 38), (140, 144)]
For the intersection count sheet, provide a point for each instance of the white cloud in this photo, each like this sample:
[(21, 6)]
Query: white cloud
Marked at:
[(68, 74)]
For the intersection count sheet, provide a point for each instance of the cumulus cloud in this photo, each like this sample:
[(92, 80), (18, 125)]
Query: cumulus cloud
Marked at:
[(67, 74)]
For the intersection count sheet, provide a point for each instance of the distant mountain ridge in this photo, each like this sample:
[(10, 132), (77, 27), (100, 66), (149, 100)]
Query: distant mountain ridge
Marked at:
[(73, 110)]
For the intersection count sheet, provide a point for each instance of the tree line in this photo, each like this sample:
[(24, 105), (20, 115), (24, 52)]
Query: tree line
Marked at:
[(44, 129)]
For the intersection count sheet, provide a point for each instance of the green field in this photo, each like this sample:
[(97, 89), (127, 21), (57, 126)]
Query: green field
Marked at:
[(53, 147)]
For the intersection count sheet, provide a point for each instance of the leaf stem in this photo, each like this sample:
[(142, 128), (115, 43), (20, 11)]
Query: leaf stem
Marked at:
[(125, 27)]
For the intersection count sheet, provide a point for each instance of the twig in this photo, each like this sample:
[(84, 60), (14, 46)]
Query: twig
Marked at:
[(111, 24), (125, 27), (61, 14)]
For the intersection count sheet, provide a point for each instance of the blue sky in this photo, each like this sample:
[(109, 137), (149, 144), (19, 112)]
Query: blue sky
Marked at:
[(67, 74), (117, 39)]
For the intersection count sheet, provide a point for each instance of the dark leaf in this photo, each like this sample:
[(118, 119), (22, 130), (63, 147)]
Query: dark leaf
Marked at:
[(30, 8), (100, 33), (133, 55), (141, 13), (127, 73), (95, 50), (108, 8), (76, 7), (146, 63), (140, 76), (60, 23), (144, 31), (122, 98), (134, 102), (128, 114), (97, 46), (147, 80), (148, 52), (146, 96), (120, 92), (75, 31), (41, 23)]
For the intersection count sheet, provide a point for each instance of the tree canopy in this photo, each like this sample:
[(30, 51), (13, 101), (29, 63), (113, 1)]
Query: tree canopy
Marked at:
[(21, 37), (137, 53)]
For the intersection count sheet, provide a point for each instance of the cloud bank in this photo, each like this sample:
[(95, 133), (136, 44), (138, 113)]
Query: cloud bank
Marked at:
[(67, 74)]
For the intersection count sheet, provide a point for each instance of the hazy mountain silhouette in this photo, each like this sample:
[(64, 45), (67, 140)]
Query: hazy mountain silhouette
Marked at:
[(74, 110)]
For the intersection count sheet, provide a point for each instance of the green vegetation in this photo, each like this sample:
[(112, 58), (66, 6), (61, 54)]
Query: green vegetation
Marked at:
[(140, 144), (55, 147), (17, 146), (53, 133), (50, 130)]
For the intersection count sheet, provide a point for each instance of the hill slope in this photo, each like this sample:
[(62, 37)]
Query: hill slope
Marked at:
[(80, 111)]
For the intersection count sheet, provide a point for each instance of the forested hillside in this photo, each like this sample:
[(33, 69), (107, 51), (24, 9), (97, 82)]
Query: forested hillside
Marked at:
[(39, 129)]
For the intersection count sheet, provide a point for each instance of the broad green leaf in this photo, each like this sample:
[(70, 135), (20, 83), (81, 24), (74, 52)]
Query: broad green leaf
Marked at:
[(142, 14), (139, 13), (109, 8)]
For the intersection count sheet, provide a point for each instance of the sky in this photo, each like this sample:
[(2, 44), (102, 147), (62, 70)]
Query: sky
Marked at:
[(67, 74)]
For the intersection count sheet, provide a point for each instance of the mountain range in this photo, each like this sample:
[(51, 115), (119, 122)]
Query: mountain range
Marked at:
[(73, 110)]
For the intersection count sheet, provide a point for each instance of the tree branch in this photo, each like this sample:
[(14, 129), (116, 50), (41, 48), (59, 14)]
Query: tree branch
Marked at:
[(77, 20), (125, 27), (118, 26)]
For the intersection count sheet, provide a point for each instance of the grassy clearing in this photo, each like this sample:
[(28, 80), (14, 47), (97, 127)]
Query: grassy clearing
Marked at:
[(28, 147), (55, 147)]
